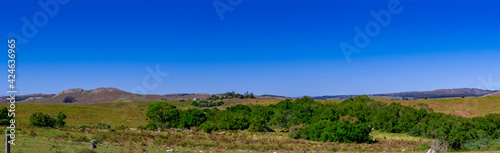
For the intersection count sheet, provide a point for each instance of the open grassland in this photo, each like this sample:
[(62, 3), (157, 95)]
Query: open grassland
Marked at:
[(466, 107), (32, 139)]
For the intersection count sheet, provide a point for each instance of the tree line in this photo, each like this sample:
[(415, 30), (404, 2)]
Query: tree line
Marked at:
[(230, 95)]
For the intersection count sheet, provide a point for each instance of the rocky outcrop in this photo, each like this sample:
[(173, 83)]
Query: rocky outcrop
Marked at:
[(72, 91), (104, 89)]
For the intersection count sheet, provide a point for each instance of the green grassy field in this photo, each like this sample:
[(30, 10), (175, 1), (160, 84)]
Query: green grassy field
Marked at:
[(466, 107), (131, 114), (32, 139)]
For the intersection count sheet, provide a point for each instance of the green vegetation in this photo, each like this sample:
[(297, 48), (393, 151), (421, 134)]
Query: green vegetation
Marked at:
[(206, 103), (230, 95), (285, 114), (348, 121), (4, 116), (43, 120)]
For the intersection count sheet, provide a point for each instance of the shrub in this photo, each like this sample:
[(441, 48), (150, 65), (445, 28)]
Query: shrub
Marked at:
[(259, 124), (163, 115), (192, 117), (42, 120), (260, 117), (60, 120), (337, 131), (4, 116), (232, 121), (415, 131)]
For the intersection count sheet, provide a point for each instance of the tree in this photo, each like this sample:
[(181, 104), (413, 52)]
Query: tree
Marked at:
[(246, 94), (251, 95), (60, 120), (163, 115)]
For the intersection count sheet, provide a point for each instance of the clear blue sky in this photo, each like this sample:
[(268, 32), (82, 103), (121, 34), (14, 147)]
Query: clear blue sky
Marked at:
[(279, 47)]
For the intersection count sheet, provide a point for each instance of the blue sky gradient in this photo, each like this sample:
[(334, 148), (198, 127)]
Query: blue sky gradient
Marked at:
[(280, 47)]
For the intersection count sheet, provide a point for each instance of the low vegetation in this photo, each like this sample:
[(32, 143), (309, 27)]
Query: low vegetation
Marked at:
[(349, 121), (38, 139), (262, 125)]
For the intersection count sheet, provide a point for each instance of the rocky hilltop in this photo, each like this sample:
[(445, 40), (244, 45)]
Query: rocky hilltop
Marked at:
[(98, 95)]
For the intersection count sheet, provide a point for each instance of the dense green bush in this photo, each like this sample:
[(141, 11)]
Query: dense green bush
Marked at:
[(288, 113), (42, 120), (191, 118), (337, 131), (4, 116), (162, 115), (260, 117), (60, 120)]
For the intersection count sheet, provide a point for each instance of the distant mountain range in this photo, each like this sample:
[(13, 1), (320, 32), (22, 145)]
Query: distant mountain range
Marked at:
[(27, 97), (108, 94), (441, 93)]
